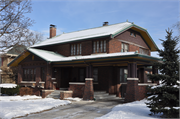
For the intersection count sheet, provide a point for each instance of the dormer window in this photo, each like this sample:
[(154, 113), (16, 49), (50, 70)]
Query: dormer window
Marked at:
[(99, 46), (133, 34), (76, 49)]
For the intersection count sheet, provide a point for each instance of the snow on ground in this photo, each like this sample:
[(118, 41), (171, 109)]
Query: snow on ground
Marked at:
[(73, 99), (135, 110), (15, 106), (19, 98), (7, 85)]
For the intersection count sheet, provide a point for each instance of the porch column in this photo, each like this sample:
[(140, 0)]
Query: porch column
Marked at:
[(48, 82), (20, 74), (142, 75), (38, 76), (88, 90), (132, 90)]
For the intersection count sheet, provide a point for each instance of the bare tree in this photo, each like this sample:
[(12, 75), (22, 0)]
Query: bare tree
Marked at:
[(13, 22), (30, 38)]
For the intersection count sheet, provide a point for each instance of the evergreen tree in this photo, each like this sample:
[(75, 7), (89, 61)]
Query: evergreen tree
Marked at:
[(165, 97)]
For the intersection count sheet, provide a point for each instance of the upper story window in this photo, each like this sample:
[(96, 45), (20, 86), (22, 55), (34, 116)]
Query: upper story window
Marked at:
[(99, 46), (124, 47), (133, 34), (76, 49), (143, 51)]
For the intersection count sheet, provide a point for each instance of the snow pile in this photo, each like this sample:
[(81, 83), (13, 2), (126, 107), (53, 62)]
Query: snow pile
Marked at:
[(135, 110), (10, 109), (73, 99), (19, 98), (7, 85)]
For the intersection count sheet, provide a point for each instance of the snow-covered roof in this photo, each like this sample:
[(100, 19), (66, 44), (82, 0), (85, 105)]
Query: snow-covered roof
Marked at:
[(44, 54), (86, 34), (55, 57)]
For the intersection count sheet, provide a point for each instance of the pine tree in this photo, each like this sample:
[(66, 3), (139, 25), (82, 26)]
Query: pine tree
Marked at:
[(164, 98)]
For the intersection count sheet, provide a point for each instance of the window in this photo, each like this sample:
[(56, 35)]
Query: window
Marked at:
[(123, 73), (124, 47), (99, 46), (29, 74), (148, 80), (95, 74), (76, 49), (133, 34), (143, 51)]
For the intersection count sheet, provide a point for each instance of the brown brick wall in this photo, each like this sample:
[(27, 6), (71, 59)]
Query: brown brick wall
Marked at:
[(127, 37), (133, 48), (114, 46), (87, 48), (65, 94), (78, 90), (88, 90), (142, 92), (64, 49), (29, 91), (46, 92), (132, 91)]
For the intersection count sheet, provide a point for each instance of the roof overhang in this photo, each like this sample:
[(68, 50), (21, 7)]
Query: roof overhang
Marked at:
[(19, 58), (147, 38), (59, 59)]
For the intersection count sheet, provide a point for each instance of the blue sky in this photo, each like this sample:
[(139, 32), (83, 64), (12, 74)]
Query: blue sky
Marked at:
[(73, 15)]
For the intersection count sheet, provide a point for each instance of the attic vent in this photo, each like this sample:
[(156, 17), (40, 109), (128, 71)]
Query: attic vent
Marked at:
[(105, 24)]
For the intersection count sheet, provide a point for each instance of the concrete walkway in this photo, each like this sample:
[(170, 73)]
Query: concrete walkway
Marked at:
[(78, 110)]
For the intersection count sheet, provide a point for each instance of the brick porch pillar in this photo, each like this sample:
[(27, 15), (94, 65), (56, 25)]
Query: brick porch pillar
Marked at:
[(20, 74), (48, 81), (88, 89), (132, 91), (38, 76)]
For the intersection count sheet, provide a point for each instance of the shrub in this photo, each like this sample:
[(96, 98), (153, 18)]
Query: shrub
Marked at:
[(10, 91)]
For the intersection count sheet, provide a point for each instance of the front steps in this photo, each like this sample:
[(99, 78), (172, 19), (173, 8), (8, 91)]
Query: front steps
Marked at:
[(55, 94), (102, 95), (98, 95)]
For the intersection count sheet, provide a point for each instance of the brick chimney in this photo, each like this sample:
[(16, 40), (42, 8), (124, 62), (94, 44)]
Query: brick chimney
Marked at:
[(105, 24), (52, 31)]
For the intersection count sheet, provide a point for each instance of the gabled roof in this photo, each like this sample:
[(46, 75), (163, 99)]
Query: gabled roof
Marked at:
[(110, 30), (50, 56)]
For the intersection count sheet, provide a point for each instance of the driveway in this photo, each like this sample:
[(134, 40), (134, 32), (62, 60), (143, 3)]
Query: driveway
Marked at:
[(78, 110)]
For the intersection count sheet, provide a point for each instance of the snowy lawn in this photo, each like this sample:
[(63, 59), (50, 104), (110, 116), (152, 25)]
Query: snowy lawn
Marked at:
[(15, 106), (133, 110)]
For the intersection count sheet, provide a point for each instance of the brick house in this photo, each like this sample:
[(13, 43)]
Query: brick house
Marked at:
[(112, 58), (9, 75)]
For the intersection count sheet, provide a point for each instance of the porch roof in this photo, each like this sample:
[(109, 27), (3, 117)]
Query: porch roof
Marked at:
[(50, 56)]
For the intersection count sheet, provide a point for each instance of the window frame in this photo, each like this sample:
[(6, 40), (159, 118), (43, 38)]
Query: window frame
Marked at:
[(29, 74), (99, 46), (76, 49), (123, 47), (143, 51)]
